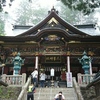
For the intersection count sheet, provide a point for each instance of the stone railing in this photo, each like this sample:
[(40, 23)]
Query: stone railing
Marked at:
[(77, 89), (96, 84), (14, 80), (23, 93), (85, 79)]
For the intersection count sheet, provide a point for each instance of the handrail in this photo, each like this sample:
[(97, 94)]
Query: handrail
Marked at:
[(23, 94), (77, 89)]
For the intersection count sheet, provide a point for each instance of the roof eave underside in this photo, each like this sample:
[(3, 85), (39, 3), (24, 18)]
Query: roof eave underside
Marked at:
[(35, 38)]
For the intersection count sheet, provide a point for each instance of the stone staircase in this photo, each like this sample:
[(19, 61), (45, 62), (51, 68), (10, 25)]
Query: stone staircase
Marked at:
[(49, 93)]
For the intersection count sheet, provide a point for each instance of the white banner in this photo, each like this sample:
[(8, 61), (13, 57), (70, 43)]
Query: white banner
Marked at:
[(69, 79)]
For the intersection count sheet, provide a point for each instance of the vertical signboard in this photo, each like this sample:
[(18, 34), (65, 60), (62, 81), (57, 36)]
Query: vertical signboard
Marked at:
[(69, 79)]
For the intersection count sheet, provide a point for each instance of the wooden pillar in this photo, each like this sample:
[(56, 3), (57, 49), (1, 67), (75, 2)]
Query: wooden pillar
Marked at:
[(68, 61), (23, 69), (36, 61), (90, 68), (90, 64), (6, 69)]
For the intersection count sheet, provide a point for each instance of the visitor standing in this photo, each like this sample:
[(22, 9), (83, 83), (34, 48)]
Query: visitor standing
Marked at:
[(42, 79), (35, 77)]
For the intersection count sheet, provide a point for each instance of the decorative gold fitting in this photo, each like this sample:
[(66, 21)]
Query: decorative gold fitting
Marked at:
[(36, 53), (68, 53), (90, 53)]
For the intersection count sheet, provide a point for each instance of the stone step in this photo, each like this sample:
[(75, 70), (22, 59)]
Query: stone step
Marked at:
[(42, 96), (53, 99), (49, 93), (54, 89)]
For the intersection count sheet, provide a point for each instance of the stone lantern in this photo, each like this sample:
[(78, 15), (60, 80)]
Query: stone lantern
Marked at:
[(17, 61), (85, 60)]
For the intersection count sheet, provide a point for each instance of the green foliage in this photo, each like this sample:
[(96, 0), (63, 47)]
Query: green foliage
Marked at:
[(27, 13), (0, 8), (9, 92), (75, 17), (86, 6)]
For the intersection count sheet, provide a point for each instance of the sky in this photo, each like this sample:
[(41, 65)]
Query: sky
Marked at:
[(15, 4)]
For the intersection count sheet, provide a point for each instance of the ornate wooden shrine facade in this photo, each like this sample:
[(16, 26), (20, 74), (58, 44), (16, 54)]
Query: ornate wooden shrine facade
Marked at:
[(52, 41)]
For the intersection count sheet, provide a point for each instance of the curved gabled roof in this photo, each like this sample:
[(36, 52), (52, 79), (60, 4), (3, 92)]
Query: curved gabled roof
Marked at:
[(61, 24), (53, 25)]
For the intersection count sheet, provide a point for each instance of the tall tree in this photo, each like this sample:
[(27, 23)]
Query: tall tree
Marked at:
[(75, 17), (3, 3), (86, 6), (28, 13)]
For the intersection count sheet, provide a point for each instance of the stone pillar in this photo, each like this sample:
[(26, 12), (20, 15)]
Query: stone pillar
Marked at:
[(3, 77), (23, 78)]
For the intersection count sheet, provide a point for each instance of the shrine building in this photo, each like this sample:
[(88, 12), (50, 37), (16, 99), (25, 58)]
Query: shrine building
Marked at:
[(53, 43)]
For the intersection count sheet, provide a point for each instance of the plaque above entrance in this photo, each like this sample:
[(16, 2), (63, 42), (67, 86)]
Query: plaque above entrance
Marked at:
[(51, 59)]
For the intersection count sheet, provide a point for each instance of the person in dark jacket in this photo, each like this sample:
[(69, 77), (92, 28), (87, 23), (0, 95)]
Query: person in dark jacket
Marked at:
[(59, 96), (30, 92)]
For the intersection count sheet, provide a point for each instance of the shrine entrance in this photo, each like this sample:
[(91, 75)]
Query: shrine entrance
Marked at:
[(57, 73), (59, 78), (57, 62)]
